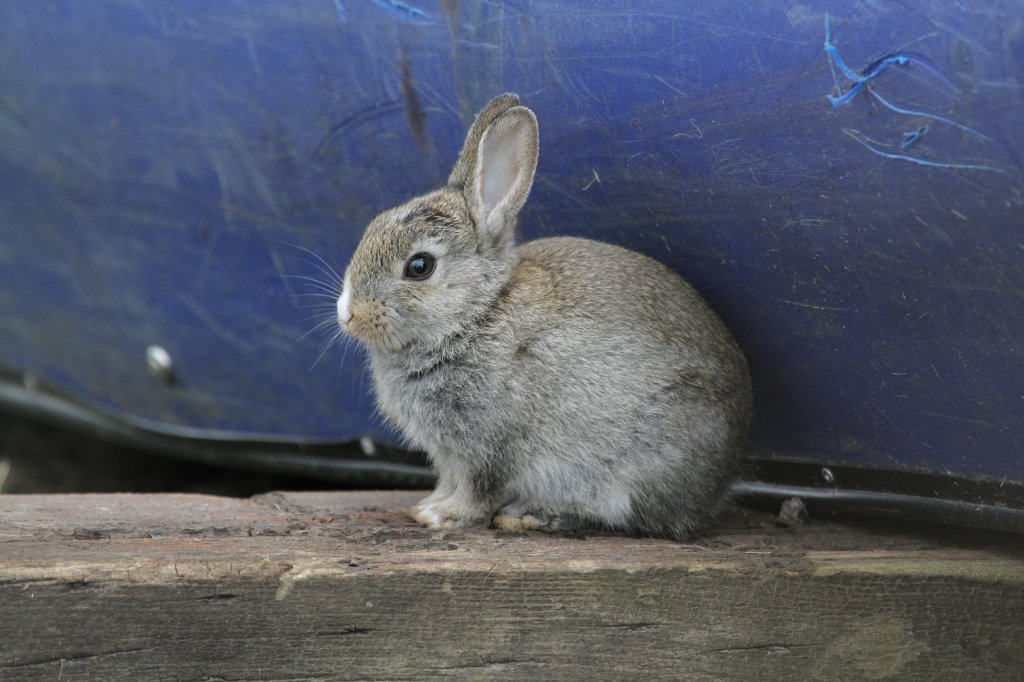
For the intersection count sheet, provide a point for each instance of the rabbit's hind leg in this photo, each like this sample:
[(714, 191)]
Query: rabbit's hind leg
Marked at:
[(514, 517)]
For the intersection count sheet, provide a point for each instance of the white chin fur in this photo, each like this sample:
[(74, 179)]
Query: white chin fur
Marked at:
[(345, 303)]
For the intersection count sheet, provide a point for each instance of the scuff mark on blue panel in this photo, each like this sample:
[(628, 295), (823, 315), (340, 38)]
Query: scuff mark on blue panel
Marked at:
[(925, 114), (405, 12), (338, 130), (863, 80), (912, 136), (876, 147)]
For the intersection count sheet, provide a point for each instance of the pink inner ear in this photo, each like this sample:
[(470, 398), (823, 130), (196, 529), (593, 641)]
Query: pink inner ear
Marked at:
[(499, 167)]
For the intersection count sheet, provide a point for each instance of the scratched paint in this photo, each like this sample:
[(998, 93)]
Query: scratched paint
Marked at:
[(414, 113), (882, 149), (865, 81), (404, 12)]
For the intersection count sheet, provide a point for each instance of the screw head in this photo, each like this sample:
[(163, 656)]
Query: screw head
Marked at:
[(160, 363)]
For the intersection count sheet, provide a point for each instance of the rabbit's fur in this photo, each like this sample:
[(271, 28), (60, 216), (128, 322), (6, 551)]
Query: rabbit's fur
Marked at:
[(557, 384)]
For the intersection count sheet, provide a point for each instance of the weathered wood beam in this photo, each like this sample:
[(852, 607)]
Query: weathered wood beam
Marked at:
[(341, 586)]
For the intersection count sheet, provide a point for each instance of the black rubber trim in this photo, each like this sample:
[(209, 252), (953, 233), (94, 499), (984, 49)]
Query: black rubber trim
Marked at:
[(976, 503), (990, 504), (344, 463)]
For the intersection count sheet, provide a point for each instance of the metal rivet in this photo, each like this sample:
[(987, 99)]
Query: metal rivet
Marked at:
[(368, 446), (828, 476), (160, 363)]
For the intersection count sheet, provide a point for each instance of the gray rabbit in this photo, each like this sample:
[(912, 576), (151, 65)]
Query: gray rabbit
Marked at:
[(557, 384)]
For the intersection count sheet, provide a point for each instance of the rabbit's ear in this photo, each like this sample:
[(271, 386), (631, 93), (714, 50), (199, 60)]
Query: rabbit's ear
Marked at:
[(467, 158), (503, 174)]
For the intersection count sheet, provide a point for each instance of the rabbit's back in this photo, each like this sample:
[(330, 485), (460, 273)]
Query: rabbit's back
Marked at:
[(589, 296), (619, 388)]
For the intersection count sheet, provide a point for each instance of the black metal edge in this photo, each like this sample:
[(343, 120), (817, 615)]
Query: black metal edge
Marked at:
[(816, 474), (891, 505), (997, 505), (950, 500), (340, 462)]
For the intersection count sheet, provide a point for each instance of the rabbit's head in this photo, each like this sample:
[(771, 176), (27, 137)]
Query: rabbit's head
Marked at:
[(426, 269)]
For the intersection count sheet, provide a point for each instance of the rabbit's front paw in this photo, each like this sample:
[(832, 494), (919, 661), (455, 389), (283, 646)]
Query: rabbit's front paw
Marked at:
[(446, 513), (425, 514)]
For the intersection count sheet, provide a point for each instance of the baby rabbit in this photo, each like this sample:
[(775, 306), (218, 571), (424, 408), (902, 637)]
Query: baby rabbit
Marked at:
[(557, 384)]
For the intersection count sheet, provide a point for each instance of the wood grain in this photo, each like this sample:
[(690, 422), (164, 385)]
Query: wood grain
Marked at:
[(341, 586)]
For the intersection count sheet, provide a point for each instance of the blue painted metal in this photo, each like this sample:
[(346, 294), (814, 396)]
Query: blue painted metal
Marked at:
[(165, 163)]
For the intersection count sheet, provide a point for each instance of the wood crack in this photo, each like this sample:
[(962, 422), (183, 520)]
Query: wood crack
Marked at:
[(70, 658), (496, 664), (767, 648)]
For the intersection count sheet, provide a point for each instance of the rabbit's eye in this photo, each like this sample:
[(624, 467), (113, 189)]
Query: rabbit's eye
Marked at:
[(420, 266)]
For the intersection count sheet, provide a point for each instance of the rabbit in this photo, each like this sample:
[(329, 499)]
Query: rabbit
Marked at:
[(560, 384)]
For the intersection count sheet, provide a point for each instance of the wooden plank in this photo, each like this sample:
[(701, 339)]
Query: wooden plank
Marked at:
[(341, 586)]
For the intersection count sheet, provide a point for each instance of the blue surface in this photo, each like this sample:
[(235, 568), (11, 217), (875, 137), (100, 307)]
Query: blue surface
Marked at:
[(165, 163)]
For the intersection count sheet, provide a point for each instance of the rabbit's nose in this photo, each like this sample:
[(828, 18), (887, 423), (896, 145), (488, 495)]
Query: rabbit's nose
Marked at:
[(345, 303)]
